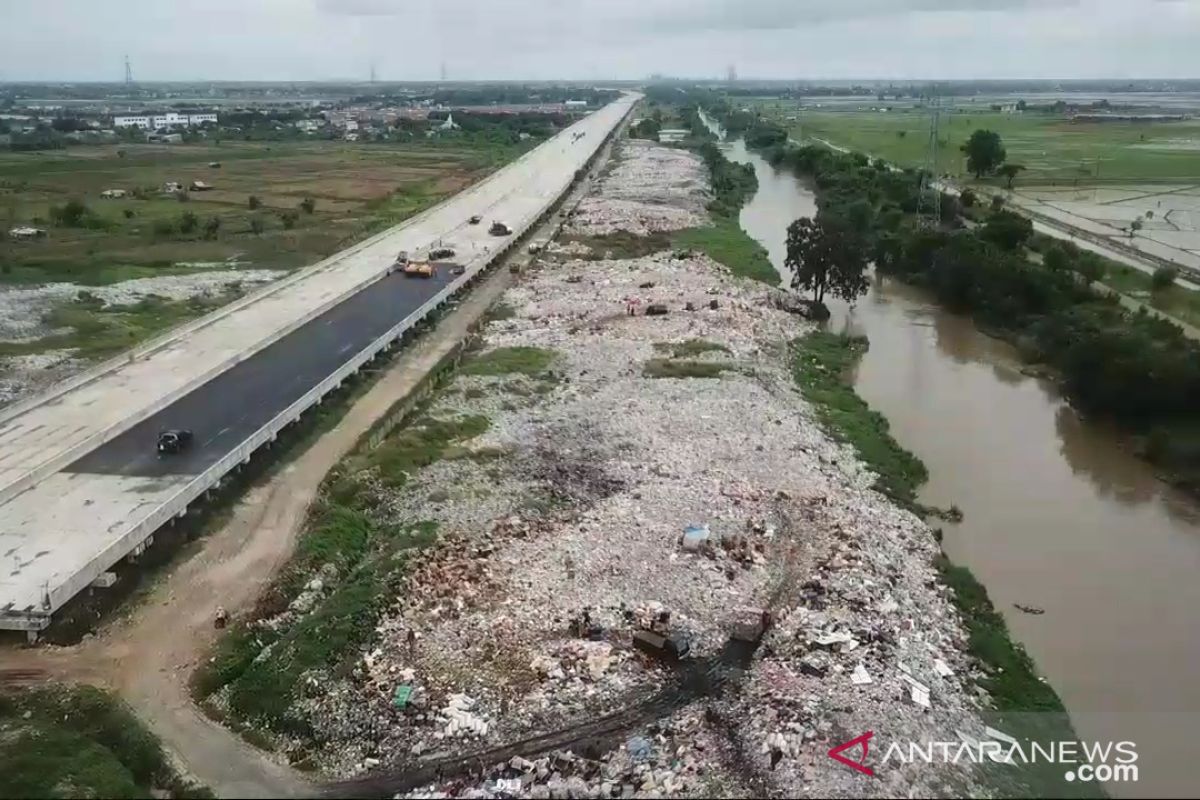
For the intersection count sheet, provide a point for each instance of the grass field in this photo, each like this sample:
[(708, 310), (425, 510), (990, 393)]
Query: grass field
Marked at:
[(78, 741), (357, 189), (1052, 147)]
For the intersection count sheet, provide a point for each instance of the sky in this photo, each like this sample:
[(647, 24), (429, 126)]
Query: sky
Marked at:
[(297, 40)]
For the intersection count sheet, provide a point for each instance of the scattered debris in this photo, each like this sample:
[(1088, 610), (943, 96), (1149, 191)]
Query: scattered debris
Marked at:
[(1029, 609)]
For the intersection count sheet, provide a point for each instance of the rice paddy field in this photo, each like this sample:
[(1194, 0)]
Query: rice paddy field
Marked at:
[(1055, 149)]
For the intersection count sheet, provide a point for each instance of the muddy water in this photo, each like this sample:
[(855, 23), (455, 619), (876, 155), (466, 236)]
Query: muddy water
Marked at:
[(1058, 514)]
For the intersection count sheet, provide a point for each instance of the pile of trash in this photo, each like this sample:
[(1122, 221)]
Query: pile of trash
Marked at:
[(656, 534), (668, 758), (651, 189)]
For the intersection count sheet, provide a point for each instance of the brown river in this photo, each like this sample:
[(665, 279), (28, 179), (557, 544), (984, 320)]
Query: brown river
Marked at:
[(1059, 515)]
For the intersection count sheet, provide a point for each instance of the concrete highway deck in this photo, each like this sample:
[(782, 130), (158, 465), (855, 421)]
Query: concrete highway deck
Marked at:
[(81, 485)]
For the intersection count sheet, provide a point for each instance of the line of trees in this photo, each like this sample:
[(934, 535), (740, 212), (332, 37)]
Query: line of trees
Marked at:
[(1133, 367)]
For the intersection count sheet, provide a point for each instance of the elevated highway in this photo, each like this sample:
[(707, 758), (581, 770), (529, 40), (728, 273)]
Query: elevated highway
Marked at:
[(81, 485)]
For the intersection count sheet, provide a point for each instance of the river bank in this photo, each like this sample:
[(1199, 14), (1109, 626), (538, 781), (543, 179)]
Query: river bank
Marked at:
[(1059, 515)]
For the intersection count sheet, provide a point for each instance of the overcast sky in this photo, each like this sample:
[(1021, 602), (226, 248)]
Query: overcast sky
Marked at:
[(595, 39)]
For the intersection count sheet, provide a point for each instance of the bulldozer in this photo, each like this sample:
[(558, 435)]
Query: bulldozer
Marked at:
[(419, 269)]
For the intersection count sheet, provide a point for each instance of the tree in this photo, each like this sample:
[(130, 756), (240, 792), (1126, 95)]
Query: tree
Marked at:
[(256, 225), (1060, 256), (997, 202), (211, 227), (288, 218), (308, 205), (187, 222), (968, 198), (1164, 278), (69, 214), (129, 212), (985, 152), (1007, 230), (1134, 227), (1021, 106), (253, 202), (1010, 172), (825, 255)]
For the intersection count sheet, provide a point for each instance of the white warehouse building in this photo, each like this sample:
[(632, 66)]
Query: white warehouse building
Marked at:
[(169, 120)]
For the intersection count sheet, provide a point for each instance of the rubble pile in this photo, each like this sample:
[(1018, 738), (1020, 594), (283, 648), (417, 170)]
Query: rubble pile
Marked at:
[(652, 188), (634, 541), (667, 758)]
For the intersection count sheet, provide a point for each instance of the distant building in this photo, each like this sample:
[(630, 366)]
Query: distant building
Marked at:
[(132, 122), (200, 186), (113, 194), (26, 233), (576, 104), (309, 125), (171, 119)]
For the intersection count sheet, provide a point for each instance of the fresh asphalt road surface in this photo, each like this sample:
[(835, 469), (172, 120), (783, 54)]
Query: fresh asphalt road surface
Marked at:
[(226, 410)]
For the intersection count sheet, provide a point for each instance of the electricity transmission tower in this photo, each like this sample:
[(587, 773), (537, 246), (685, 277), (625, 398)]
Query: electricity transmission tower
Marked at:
[(929, 201), (128, 73), (372, 72)]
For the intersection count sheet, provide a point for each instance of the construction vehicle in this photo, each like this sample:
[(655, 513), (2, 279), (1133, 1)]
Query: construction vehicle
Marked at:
[(419, 269), (439, 253), (500, 229), (475, 220), (172, 442), (660, 641)]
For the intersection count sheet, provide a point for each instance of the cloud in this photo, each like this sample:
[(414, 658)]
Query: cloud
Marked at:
[(777, 15), (362, 8)]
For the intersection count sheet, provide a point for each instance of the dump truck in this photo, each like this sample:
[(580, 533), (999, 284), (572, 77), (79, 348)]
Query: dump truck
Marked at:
[(500, 229), (419, 269)]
